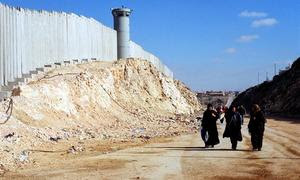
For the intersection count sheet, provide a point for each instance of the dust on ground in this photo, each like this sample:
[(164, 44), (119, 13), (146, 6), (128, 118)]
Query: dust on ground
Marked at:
[(181, 157)]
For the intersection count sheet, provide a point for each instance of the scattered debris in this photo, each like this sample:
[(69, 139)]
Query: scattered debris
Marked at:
[(16, 91), (24, 156), (9, 135), (2, 170), (75, 149), (138, 130), (127, 100), (55, 139), (144, 137)]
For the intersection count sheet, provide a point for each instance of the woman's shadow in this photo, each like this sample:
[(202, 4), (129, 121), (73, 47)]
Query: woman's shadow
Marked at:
[(202, 149)]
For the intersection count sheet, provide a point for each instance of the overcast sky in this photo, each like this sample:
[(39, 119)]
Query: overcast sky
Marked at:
[(208, 44)]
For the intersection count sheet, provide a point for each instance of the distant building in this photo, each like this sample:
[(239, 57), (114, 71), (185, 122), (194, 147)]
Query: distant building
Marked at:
[(216, 98), (215, 93)]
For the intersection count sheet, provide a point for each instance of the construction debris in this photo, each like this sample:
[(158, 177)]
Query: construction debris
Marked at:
[(75, 149), (55, 139), (115, 101), (9, 135), (2, 170), (23, 157)]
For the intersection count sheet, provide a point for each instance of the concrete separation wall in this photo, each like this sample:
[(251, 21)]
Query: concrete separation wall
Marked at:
[(136, 51), (31, 39)]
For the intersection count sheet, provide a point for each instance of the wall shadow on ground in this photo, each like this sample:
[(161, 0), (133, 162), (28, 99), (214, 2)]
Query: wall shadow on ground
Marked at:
[(293, 120)]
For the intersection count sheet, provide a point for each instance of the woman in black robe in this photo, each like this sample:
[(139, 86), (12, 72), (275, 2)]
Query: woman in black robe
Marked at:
[(233, 127), (256, 127), (209, 123)]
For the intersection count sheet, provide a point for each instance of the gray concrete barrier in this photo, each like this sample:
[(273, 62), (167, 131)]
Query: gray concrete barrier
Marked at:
[(31, 39)]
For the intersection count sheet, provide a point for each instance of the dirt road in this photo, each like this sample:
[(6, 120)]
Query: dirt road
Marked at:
[(184, 157)]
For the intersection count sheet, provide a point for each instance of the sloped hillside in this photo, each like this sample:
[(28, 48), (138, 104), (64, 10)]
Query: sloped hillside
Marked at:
[(281, 96), (103, 100)]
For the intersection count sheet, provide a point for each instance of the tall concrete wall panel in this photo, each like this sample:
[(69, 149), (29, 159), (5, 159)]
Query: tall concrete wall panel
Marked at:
[(2, 44), (136, 51), (30, 39)]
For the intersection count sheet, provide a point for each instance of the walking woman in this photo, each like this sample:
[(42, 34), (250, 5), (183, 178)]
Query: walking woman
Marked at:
[(256, 127), (209, 120), (233, 127)]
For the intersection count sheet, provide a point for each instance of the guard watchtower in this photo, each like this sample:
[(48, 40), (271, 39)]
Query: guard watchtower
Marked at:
[(121, 25)]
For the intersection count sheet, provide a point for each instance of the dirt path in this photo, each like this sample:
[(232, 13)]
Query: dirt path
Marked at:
[(183, 157)]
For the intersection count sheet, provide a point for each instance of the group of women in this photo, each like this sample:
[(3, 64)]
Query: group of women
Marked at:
[(234, 121)]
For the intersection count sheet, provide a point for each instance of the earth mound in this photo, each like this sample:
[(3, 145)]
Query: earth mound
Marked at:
[(281, 96), (120, 100)]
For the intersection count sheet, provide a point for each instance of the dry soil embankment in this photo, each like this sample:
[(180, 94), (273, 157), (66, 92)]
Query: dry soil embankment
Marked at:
[(281, 96), (103, 101)]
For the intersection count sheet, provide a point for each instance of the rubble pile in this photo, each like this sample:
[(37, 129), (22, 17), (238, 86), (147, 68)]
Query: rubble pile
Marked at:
[(120, 100)]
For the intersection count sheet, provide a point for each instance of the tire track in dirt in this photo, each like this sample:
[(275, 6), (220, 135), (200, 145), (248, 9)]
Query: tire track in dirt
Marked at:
[(261, 166), (283, 144), (276, 157), (284, 135), (183, 157)]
